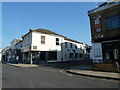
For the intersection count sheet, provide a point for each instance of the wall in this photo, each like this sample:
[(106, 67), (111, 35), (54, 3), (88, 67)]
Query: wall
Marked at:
[(14, 42), (19, 45), (50, 45), (50, 42), (76, 48), (107, 34), (27, 41)]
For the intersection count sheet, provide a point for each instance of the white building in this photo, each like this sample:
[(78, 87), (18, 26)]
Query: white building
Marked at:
[(47, 46)]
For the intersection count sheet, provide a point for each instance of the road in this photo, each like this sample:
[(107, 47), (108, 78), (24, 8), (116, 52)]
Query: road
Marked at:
[(45, 77)]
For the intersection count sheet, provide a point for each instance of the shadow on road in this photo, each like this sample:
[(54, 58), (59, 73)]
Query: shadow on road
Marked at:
[(71, 64)]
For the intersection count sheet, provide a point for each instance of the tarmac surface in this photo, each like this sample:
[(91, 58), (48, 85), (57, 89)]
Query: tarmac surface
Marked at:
[(49, 77), (84, 70)]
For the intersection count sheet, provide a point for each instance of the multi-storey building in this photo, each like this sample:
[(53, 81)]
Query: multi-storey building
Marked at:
[(6, 54), (14, 50), (105, 32), (18, 53), (41, 45)]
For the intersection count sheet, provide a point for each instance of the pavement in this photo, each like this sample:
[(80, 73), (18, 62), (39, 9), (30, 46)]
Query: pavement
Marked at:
[(98, 74), (84, 70), (24, 65)]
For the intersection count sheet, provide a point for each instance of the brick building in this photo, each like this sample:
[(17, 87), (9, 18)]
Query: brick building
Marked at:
[(105, 32)]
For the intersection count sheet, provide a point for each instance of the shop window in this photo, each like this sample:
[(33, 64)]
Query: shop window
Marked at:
[(80, 55), (107, 56), (116, 56)]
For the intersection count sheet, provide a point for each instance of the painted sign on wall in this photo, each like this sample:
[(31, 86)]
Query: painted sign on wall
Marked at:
[(98, 27)]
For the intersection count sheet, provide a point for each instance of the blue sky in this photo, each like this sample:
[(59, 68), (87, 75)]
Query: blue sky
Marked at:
[(69, 19)]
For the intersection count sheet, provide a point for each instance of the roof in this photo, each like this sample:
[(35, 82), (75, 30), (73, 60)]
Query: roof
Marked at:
[(19, 42), (103, 6), (45, 31)]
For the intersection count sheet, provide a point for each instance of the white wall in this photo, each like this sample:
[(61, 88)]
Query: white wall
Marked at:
[(27, 42), (34, 40), (97, 51), (77, 47), (50, 42)]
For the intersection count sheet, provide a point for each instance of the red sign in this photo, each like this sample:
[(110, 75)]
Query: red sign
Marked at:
[(98, 27)]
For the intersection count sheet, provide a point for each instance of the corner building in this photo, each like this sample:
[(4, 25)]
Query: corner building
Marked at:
[(105, 32)]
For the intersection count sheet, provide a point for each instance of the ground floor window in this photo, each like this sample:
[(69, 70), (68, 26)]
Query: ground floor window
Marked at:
[(80, 55), (111, 52), (52, 55)]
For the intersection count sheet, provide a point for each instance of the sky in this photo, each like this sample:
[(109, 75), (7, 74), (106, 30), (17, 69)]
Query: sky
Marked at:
[(69, 19)]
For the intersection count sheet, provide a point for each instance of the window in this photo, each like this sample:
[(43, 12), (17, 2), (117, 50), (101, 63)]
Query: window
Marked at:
[(81, 46), (57, 41), (75, 46), (34, 47), (65, 44), (113, 22), (80, 55), (28, 40), (42, 39), (70, 55), (71, 45), (76, 55)]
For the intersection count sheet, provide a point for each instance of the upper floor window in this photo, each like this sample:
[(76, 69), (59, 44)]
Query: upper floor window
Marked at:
[(65, 44), (75, 47), (57, 41), (71, 45), (42, 39), (28, 40), (113, 22), (81, 46)]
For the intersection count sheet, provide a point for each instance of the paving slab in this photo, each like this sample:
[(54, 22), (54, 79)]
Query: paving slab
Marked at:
[(24, 65)]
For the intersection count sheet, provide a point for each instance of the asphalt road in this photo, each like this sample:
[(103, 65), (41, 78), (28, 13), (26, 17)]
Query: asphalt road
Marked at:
[(45, 77)]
